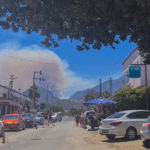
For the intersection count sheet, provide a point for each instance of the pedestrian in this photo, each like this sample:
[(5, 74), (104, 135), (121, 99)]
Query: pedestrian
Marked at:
[(50, 119), (77, 119)]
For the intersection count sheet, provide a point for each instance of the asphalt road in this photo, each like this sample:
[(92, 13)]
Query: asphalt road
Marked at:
[(47, 138)]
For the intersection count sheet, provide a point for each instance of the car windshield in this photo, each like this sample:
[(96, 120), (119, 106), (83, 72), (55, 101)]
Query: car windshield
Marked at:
[(37, 115), (27, 115), (54, 114), (9, 117), (148, 119), (116, 115), (90, 114)]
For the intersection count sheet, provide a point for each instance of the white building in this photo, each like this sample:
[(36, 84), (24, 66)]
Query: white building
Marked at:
[(136, 58), (13, 101)]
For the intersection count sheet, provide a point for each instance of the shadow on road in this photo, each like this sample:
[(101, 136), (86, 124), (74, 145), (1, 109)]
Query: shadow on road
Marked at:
[(122, 139), (95, 129)]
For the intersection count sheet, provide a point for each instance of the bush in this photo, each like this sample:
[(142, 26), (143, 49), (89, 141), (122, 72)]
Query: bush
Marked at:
[(130, 98)]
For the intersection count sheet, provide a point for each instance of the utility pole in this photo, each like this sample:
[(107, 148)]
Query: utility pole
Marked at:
[(33, 90), (34, 85), (52, 96), (100, 88), (47, 97), (12, 78), (110, 86)]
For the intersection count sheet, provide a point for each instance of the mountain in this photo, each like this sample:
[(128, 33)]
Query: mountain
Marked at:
[(116, 85), (64, 103)]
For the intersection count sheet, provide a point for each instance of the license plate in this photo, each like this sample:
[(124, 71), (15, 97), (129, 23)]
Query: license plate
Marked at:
[(104, 131)]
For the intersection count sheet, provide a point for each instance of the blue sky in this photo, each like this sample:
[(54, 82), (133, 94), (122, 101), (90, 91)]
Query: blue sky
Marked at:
[(89, 65)]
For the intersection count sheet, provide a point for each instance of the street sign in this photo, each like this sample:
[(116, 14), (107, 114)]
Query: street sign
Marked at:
[(134, 71)]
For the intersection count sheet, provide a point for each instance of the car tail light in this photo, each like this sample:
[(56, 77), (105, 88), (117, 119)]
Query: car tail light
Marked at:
[(116, 123), (148, 125)]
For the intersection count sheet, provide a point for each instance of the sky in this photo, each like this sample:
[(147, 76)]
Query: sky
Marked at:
[(67, 68)]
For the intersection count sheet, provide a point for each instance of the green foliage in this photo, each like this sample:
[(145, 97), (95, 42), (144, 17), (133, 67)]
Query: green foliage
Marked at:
[(106, 94), (36, 92), (93, 22), (131, 98), (91, 94)]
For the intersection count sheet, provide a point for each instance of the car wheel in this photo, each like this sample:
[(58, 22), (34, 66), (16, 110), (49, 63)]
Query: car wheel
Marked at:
[(146, 143), (131, 133), (110, 137)]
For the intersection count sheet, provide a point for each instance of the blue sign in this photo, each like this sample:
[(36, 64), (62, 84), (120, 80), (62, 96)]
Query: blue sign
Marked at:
[(134, 71)]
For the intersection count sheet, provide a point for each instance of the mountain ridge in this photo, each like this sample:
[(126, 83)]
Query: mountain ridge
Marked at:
[(116, 85)]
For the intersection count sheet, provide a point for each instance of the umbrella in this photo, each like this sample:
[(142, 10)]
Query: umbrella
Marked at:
[(99, 101)]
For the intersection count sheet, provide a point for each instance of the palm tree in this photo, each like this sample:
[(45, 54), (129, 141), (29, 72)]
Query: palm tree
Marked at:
[(36, 92)]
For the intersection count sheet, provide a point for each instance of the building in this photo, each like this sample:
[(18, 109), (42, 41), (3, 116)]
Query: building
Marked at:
[(136, 58), (13, 101)]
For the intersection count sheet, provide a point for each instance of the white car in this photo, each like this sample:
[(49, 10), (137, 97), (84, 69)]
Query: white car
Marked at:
[(125, 123), (1, 128), (57, 116), (145, 133)]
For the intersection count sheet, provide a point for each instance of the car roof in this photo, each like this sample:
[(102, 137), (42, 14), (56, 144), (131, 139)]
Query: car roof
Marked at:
[(89, 111), (12, 115), (131, 111)]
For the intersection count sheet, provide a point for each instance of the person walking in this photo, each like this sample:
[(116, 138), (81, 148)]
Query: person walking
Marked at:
[(77, 119), (50, 119)]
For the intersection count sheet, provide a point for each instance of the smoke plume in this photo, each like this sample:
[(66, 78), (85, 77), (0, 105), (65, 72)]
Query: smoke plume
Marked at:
[(22, 62)]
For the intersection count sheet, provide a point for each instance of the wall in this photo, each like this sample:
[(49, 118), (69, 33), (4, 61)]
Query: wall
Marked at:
[(135, 58)]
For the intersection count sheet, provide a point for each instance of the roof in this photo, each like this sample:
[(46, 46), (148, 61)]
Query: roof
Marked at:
[(129, 55), (130, 111)]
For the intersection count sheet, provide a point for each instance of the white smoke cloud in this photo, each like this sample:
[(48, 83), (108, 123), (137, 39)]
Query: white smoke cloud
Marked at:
[(22, 62)]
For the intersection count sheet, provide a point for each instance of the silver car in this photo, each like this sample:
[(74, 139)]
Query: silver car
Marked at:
[(145, 133), (125, 123)]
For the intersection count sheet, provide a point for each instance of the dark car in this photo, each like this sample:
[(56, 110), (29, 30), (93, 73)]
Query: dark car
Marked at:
[(29, 120), (94, 120), (39, 119)]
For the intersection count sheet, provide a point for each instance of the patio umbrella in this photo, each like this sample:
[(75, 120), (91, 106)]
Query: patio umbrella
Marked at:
[(99, 101)]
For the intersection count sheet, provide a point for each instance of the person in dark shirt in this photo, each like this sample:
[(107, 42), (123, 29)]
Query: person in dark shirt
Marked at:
[(50, 119), (77, 119)]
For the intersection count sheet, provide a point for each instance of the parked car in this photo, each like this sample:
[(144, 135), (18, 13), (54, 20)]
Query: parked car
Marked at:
[(145, 133), (57, 116), (29, 120), (85, 118), (45, 115), (13, 122), (125, 123), (1, 128), (39, 119)]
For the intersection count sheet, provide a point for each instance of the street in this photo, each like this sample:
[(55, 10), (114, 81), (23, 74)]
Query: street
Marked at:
[(64, 136)]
